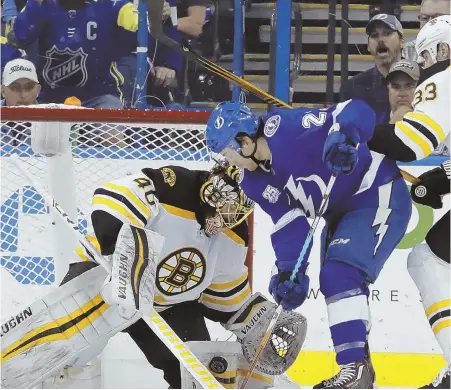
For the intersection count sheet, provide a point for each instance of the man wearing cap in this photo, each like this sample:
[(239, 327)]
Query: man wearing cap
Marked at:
[(402, 81), (20, 83), (385, 43)]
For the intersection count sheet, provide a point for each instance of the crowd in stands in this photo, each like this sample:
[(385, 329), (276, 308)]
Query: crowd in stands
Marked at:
[(88, 49)]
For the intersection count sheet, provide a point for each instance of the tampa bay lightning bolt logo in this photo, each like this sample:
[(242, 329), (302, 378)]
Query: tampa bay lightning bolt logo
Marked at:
[(219, 122)]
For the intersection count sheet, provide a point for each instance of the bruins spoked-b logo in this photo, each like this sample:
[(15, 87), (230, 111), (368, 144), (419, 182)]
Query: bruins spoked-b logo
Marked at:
[(180, 271), (65, 68)]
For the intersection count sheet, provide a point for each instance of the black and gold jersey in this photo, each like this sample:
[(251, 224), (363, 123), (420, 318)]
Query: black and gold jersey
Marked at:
[(192, 265), (426, 127)]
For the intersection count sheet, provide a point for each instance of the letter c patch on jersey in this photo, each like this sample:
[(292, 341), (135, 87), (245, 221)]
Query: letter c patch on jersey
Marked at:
[(271, 125), (180, 271)]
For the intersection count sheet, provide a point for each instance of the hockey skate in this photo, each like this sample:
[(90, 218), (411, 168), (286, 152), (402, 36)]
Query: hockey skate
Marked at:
[(358, 375), (441, 381)]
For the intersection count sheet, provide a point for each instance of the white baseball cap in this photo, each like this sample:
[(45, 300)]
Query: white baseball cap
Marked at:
[(19, 69)]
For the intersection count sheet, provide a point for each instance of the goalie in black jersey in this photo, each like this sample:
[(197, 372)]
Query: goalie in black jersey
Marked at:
[(181, 235)]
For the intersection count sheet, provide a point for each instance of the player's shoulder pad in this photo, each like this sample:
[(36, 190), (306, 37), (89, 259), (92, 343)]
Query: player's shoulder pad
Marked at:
[(274, 120), (177, 186), (434, 70), (239, 234)]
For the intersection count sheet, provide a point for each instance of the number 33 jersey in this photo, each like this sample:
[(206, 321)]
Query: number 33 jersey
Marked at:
[(192, 265), (424, 129)]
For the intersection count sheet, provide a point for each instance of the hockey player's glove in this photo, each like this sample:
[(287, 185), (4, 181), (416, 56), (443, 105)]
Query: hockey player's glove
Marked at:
[(434, 183), (340, 153), (250, 324), (290, 294)]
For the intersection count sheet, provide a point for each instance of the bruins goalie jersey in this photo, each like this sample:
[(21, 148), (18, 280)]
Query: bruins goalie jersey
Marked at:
[(420, 132), (192, 265)]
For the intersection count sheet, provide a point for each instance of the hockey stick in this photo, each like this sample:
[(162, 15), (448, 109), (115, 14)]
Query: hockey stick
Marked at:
[(155, 321), (155, 12), (301, 257)]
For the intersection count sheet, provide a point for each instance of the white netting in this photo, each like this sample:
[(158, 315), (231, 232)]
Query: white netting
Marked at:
[(101, 152)]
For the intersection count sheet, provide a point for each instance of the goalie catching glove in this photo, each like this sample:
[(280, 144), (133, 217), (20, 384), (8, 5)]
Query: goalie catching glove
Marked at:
[(250, 324), (133, 271)]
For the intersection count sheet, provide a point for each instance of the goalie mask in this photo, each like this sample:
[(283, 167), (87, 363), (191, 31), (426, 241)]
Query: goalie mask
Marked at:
[(223, 195)]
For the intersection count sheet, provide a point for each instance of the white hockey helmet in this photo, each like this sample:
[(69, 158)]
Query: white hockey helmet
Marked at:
[(433, 33)]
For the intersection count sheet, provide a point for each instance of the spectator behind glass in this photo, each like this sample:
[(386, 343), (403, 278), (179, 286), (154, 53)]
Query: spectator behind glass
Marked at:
[(20, 83), (385, 43), (430, 9), (163, 62), (9, 53), (77, 47), (402, 81), (191, 16)]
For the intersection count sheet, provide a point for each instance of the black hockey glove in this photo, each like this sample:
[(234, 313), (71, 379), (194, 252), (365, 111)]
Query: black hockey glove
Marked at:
[(434, 183)]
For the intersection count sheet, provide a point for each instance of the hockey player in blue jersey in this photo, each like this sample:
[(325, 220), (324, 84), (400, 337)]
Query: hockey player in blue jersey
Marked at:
[(288, 157), (77, 50)]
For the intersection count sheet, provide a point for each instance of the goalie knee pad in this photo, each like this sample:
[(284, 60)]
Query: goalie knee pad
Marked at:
[(250, 324), (69, 326), (432, 277)]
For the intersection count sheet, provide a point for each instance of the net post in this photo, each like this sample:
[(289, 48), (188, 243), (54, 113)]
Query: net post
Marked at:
[(61, 179)]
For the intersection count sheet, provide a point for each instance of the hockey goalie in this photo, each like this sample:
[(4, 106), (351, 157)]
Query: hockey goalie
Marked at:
[(177, 241)]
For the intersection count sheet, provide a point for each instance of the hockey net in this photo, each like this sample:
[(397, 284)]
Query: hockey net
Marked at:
[(106, 145)]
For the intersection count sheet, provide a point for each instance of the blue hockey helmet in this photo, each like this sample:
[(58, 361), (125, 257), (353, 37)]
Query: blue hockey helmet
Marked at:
[(226, 121)]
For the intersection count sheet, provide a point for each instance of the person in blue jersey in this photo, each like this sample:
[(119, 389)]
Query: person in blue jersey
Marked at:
[(9, 53), (288, 157), (77, 50), (163, 62)]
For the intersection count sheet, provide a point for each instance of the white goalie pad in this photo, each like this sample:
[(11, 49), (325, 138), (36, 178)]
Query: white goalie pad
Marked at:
[(250, 324), (69, 326), (50, 138), (134, 268)]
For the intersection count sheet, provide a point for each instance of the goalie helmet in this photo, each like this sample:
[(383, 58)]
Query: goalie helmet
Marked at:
[(226, 203), (433, 33)]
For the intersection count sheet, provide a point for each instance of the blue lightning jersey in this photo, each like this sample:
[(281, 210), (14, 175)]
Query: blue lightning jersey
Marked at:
[(76, 47), (9, 53), (294, 188)]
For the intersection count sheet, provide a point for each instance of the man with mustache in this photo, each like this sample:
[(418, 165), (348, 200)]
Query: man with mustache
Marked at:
[(385, 43)]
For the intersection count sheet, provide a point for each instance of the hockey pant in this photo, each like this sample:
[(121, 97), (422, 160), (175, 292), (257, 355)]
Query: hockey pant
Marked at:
[(187, 320), (428, 265)]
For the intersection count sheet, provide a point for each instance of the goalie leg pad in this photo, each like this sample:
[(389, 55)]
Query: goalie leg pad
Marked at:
[(250, 324), (134, 268), (68, 326)]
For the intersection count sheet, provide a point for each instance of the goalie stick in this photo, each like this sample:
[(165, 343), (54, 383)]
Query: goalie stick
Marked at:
[(155, 12), (159, 326), (279, 308)]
